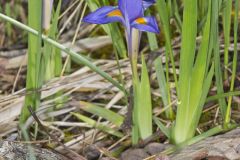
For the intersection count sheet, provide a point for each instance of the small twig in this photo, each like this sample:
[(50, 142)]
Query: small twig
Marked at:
[(216, 115), (78, 157)]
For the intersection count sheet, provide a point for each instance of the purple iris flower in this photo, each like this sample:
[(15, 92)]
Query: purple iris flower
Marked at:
[(129, 12)]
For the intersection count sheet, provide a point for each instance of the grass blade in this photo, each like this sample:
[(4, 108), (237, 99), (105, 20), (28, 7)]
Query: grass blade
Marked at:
[(164, 129), (144, 111), (99, 126), (201, 78), (102, 112), (49, 57), (177, 16), (189, 33), (205, 90), (163, 85), (34, 56), (223, 95), (216, 52), (227, 10), (165, 20), (234, 65)]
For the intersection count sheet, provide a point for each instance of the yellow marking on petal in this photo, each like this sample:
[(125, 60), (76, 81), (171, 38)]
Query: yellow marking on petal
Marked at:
[(141, 21), (114, 13)]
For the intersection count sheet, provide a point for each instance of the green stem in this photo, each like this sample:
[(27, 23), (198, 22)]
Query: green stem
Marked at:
[(33, 81), (223, 95), (133, 55), (234, 65), (226, 29)]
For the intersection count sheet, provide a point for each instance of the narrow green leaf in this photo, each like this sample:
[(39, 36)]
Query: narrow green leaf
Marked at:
[(223, 95), (162, 85), (205, 90), (227, 10), (203, 9), (105, 113), (216, 52), (34, 56), (144, 104), (135, 134), (235, 61), (199, 73), (177, 15), (49, 55), (164, 129), (182, 130), (99, 126), (165, 21)]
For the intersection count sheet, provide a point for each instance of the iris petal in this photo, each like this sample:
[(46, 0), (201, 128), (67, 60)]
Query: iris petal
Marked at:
[(131, 9), (148, 3), (148, 24), (104, 15)]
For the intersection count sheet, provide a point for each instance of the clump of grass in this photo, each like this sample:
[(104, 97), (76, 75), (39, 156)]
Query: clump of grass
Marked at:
[(196, 71), (197, 67)]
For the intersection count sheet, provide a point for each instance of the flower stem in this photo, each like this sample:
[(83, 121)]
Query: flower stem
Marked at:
[(133, 55)]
